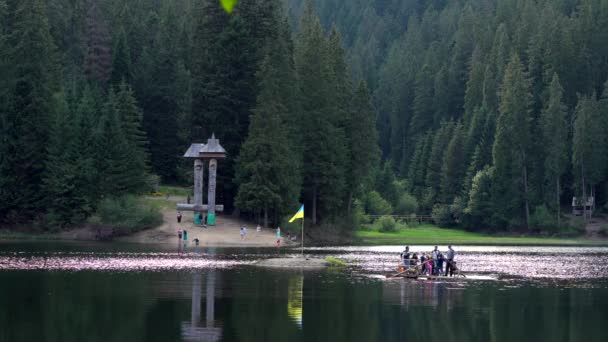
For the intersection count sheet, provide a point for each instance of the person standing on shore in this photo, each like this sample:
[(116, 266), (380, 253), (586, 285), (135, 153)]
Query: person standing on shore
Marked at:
[(278, 236), (185, 236), (449, 268), (179, 234), (179, 217)]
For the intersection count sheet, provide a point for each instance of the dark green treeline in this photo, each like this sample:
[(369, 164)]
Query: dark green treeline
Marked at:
[(489, 113), (101, 98), (494, 112)]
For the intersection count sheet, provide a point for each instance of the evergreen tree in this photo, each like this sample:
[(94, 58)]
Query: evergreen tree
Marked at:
[(511, 146), (5, 171), (67, 202), (418, 166), (130, 117), (435, 161), (588, 145), (324, 141), (422, 107), (555, 135), (363, 142), (474, 93), (121, 60), (167, 100), (26, 120), (453, 166), (87, 112), (441, 92), (115, 153), (267, 169), (479, 208), (98, 58)]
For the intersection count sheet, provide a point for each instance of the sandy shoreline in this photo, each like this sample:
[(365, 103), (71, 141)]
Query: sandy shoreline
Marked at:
[(226, 232)]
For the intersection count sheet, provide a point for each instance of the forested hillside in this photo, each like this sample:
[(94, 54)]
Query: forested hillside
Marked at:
[(485, 113), (493, 111), (100, 98)]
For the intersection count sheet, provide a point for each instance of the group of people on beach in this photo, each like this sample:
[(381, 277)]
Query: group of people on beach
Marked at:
[(430, 263), (183, 234)]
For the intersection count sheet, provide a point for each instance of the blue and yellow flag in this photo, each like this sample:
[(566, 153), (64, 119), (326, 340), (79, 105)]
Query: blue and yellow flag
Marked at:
[(298, 215)]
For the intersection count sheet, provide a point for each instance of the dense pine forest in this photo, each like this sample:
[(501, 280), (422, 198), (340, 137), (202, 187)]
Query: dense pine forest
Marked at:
[(483, 113)]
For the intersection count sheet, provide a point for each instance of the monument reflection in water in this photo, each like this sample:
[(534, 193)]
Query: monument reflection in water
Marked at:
[(195, 330)]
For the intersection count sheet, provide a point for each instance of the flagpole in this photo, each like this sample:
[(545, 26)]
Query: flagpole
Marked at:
[(302, 248)]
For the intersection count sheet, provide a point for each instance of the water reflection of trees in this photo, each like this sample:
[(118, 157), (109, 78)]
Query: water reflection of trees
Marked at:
[(259, 305)]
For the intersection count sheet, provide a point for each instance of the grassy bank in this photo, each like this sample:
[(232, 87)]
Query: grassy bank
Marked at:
[(430, 235), (164, 190)]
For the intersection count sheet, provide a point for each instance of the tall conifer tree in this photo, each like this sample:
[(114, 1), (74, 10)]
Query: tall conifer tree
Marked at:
[(324, 141), (510, 151), (363, 142), (555, 136), (32, 82)]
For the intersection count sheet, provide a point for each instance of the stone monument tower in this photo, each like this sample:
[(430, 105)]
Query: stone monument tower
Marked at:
[(204, 153)]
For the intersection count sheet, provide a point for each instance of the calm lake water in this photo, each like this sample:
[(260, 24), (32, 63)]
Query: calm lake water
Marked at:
[(116, 292)]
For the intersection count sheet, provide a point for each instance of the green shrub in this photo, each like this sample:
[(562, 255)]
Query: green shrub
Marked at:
[(457, 210), (542, 218), (406, 205), (442, 215), (575, 227), (386, 224), (376, 205), (128, 214), (604, 230), (358, 215)]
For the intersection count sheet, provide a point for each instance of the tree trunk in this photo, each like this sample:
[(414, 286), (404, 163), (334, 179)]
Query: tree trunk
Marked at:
[(350, 202), (558, 206), (527, 205), (584, 193), (314, 205), (592, 194), (266, 216)]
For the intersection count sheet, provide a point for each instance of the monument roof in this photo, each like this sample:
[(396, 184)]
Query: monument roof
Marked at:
[(213, 146), (194, 151), (211, 149)]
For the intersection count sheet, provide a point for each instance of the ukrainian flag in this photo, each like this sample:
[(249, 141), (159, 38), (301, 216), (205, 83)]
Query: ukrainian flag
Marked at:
[(298, 215)]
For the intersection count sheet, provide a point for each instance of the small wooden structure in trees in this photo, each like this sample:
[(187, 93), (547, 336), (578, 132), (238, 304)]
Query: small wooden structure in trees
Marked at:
[(579, 208), (204, 153)]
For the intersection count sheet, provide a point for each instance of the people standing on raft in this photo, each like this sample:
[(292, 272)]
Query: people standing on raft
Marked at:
[(434, 257), (431, 264), (450, 267), (440, 259), (406, 257)]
